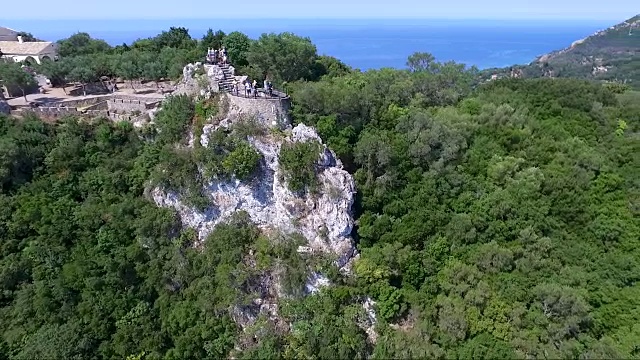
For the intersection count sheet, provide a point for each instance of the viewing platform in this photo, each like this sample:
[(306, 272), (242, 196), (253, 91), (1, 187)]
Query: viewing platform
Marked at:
[(226, 84)]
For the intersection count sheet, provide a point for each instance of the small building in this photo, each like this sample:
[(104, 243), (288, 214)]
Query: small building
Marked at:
[(7, 34), (28, 52)]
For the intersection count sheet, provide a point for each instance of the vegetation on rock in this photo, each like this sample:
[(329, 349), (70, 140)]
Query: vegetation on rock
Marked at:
[(298, 161)]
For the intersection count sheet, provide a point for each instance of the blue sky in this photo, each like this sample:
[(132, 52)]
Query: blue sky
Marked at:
[(614, 10)]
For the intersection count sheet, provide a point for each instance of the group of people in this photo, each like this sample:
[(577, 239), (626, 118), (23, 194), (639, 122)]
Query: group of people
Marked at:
[(251, 88), (217, 56)]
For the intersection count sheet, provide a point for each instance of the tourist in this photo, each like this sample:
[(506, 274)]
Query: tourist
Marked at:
[(247, 88), (270, 88)]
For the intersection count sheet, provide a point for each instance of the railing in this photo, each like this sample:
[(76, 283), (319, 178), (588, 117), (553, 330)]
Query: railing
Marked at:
[(261, 93)]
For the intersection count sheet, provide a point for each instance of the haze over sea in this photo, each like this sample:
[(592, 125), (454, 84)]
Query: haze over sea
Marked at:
[(363, 44)]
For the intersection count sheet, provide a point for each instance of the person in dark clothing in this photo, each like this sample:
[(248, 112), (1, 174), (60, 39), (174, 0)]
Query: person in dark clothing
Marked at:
[(270, 88)]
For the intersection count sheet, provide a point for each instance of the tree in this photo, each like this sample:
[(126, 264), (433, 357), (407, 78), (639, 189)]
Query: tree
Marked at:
[(128, 67), (237, 45), (421, 61), (84, 75), (28, 37), (176, 37), (56, 71), (153, 71), (329, 66), (81, 44), (211, 40), (284, 57), (102, 64), (14, 76)]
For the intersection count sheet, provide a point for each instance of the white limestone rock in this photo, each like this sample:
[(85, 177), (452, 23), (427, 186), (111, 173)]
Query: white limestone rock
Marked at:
[(370, 323), (315, 282), (215, 72), (325, 220)]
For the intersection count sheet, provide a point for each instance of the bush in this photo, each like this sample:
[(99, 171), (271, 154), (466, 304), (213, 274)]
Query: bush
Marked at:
[(248, 125), (174, 118), (298, 162), (242, 162)]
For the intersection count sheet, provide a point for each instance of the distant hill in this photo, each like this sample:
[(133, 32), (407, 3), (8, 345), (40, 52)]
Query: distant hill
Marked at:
[(611, 54)]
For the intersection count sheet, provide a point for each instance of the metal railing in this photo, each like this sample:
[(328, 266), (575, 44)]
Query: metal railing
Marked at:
[(257, 93)]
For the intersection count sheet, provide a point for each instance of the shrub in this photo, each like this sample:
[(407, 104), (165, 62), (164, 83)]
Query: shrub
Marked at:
[(242, 162), (248, 125), (173, 120), (298, 162)]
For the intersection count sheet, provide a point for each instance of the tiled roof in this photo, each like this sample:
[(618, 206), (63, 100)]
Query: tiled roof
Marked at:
[(25, 48), (7, 32)]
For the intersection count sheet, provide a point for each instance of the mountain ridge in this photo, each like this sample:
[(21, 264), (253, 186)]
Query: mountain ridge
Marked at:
[(611, 54)]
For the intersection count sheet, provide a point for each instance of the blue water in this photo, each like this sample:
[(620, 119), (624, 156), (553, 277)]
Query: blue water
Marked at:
[(363, 44)]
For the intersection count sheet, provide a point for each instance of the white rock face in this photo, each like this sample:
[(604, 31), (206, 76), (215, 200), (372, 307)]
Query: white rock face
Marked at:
[(325, 220), (215, 72), (315, 282), (369, 325)]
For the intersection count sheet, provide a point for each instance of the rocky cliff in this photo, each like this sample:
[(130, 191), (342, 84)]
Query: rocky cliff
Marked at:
[(325, 220), (322, 218)]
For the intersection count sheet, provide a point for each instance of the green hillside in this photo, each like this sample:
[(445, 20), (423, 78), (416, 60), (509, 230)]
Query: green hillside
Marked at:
[(611, 54)]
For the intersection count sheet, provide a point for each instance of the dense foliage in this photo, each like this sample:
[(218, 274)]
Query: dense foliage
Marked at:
[(503, 226), (499, 221), (281, 57)]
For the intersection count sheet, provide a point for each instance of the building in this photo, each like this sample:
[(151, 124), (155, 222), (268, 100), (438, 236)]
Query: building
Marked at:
[(7, 34), (28, 52)]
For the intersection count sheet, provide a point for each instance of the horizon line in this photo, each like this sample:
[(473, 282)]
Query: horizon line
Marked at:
[(449, 18)]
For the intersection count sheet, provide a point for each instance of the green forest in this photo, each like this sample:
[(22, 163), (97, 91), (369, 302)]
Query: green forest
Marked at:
[(496, 220)]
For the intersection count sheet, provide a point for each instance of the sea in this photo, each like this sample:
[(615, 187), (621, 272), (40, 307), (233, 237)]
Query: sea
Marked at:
[(361, 43)]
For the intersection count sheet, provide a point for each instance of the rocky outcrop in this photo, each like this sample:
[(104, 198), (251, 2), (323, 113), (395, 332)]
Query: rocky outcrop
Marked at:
[(325, 219), (195, 81)]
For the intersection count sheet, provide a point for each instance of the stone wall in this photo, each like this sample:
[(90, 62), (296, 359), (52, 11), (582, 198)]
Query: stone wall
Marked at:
[(96, 113), (97, 88), (102, 105), (52, 112), (137, 102), (59, 112), (265, 109), (89, 101), (126, 105)]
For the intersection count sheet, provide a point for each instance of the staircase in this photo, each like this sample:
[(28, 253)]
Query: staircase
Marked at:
[(226, 84)]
